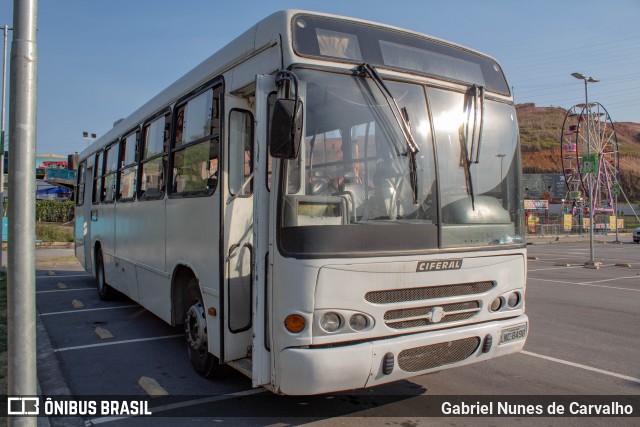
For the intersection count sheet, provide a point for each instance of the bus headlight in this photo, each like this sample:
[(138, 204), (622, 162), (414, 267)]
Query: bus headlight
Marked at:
[(358, 322), (330, 322), (513, 300), (496, 304)]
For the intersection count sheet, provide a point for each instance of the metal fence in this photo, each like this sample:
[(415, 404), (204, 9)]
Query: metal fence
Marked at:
[(560, 230)]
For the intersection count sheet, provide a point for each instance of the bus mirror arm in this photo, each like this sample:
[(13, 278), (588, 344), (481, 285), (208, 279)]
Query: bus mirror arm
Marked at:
[(286, 122)]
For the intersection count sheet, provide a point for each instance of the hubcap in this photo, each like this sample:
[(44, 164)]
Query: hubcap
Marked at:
[(196, 327)]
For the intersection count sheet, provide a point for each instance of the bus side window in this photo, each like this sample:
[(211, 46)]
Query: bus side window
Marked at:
[(196, 145), (128, 168), (110, 173), (97, 179), (153, 158), (240, 153), (82, 170)]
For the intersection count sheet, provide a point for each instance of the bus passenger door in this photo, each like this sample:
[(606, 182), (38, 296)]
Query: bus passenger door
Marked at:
[(82, 224), (238, 254), (262, 361), (86, 219)]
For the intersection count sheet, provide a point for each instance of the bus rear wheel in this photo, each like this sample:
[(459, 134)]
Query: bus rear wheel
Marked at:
[(195, 330), (105, 292)]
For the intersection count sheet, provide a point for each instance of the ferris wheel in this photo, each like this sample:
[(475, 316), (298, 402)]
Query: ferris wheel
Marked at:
[(590, 157)]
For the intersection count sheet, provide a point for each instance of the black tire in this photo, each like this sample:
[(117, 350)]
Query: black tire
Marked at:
[(195, 330), (105, 292)]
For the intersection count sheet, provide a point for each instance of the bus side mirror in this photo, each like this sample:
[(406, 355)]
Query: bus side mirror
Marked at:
[(286, 129)]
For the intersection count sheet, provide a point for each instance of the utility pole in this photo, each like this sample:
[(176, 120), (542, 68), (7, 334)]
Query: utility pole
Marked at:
[(5, 30), (21, 295)]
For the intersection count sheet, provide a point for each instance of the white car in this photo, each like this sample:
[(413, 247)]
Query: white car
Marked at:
[(636, 235)]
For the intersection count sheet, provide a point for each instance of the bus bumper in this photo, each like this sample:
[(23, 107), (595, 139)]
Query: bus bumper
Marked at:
[(322, 370)]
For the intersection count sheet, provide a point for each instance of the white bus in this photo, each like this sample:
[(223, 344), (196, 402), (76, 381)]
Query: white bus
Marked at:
[(325, 204)]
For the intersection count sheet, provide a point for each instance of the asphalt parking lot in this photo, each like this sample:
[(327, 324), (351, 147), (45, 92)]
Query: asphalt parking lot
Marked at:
[(584, 339)]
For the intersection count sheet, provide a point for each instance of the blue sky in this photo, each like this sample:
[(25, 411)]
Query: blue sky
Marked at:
[(99, 60)]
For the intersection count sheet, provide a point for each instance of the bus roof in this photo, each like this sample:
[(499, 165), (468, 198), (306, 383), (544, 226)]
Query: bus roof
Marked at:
[(259, 36)]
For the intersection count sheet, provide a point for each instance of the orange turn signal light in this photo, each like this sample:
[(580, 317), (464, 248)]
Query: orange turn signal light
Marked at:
[(294, 323)]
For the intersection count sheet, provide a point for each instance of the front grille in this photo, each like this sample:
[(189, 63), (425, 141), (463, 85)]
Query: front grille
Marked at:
[(429, 292), (421, 316), (435, 355)]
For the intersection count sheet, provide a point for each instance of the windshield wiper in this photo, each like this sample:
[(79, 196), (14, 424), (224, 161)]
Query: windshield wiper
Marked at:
[(473, 151), (402, 118), (478, 92)]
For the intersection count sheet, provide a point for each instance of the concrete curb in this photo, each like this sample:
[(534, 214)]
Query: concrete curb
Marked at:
[(57, 245), (66, 245)]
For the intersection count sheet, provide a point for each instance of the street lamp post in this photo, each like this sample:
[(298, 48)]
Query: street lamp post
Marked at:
[(21, 284), (549, 200), (5, 30), (579, 76), (615, 207), (580, 216)]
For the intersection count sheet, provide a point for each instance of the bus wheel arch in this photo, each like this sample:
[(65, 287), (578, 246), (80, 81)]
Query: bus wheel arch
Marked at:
[(188, 310), (182, 275)]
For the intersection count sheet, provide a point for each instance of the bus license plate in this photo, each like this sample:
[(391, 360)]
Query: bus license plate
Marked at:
[(513, 334)]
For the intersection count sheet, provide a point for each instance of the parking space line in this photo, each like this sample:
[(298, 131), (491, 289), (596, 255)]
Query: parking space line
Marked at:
[(584, 284), (65, 276), (180, 405), (615, 278), (585, 367), (81, 347), (556, 268), (93, 288), (563, 254), (55, 313), (555, 260)]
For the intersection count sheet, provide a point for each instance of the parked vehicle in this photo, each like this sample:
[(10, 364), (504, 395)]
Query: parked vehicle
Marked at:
[(285, 202)]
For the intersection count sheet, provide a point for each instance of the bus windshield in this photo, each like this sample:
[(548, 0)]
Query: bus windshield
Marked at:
[(355, 171)]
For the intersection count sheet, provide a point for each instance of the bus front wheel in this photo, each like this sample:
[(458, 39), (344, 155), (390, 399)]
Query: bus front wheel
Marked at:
[(195, 330)]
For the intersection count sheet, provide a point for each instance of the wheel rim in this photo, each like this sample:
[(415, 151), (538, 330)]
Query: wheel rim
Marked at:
[(196, 327)]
